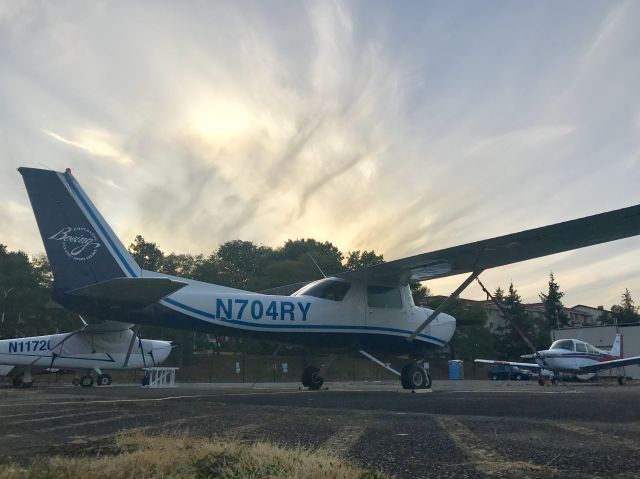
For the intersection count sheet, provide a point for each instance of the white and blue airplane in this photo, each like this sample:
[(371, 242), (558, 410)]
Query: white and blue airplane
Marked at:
[(576, 357), (97, 347), (369, 310)]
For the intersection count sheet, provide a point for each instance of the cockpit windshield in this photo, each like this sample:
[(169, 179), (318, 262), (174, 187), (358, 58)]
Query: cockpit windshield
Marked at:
[(563, 344), (332, 289)]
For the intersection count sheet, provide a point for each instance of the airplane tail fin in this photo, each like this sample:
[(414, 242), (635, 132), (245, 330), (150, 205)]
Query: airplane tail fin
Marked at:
[(81, 247), (616, 350)]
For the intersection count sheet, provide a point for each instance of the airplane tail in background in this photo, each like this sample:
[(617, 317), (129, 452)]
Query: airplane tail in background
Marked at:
[(81, 248), (616, 350)]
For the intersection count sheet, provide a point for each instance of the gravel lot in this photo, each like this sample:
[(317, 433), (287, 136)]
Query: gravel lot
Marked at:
[(469, 429)]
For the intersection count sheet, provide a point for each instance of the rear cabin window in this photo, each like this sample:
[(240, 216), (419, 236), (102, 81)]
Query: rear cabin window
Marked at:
[(333, 290), (581, 347), (563, 344), (592, 349), (384, 297)]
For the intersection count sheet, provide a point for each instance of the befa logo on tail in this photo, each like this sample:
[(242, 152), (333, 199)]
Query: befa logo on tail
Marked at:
[(80, 244)]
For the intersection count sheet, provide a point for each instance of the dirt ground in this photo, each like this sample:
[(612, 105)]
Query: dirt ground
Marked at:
[(467, 429)]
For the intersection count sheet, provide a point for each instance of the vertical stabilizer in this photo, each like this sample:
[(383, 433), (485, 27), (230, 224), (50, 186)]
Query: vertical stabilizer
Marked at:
[(616, 350), (81, 247)]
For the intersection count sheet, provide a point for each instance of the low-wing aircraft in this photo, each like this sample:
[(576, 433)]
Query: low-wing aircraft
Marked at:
[(370, 310), (94, 347), (574, 357)]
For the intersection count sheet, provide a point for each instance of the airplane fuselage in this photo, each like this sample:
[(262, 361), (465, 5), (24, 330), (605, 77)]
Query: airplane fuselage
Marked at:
[(326, 313), (571, 361), (102, 351)]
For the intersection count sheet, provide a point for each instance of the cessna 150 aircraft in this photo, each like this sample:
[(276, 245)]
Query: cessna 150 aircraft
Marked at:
[(369, 310), (98, 347), (574, 357)]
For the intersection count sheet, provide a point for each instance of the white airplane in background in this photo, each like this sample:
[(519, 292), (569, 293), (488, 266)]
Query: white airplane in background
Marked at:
[(574, 357), (369, 310), (94, 347)]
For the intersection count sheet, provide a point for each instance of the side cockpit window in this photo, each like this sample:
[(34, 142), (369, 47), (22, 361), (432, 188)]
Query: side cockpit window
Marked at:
[(384, 297), (581, 347), (563, 344), (327, 289)]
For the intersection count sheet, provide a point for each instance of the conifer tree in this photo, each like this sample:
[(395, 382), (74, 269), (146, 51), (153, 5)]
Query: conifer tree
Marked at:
[(554, 312)]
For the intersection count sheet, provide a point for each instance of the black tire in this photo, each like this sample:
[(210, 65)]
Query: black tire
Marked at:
[(145, 380), (415, 377), (311, 378), (404, 374), (103, 380), (76, 382), (16, 381), (518, 377), (621, 380), (86, 381), (541, 382)]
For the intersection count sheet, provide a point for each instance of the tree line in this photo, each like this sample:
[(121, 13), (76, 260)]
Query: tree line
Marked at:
[(26, 308)]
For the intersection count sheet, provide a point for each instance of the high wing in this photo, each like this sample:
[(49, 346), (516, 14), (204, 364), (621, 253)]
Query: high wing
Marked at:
[(503, 250), (615, 363), (532, 366)]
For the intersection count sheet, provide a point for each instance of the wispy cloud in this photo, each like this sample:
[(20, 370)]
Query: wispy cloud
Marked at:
[(95, 142), (396, 129)]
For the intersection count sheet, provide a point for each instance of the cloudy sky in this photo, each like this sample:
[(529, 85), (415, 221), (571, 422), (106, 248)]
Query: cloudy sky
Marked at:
[(374, 125)]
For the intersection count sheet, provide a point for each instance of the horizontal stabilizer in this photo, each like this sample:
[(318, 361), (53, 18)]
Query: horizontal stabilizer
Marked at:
[(139, 291), (616, 363)]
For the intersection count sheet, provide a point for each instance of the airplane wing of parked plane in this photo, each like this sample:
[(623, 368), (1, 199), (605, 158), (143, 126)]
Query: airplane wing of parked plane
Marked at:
[(615, 363), (503, 250), (532, 366)]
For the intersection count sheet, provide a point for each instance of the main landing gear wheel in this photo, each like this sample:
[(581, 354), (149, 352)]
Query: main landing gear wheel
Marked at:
[(540, 382), (413, 376), (17, 381), (76, 382), (622, 380), (86, 381), (311, 378), (103, 380)]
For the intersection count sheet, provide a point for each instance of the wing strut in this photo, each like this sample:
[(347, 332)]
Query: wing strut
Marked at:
[(445, 303), (377, 361), (134, 336)]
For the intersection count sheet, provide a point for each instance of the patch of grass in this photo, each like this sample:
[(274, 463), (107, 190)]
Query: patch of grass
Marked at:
[(184, 457)]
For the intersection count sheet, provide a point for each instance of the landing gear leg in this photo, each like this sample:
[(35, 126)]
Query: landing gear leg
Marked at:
[(311, 378)]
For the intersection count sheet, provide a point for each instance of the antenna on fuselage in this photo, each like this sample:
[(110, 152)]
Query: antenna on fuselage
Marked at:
[(317, 265)]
